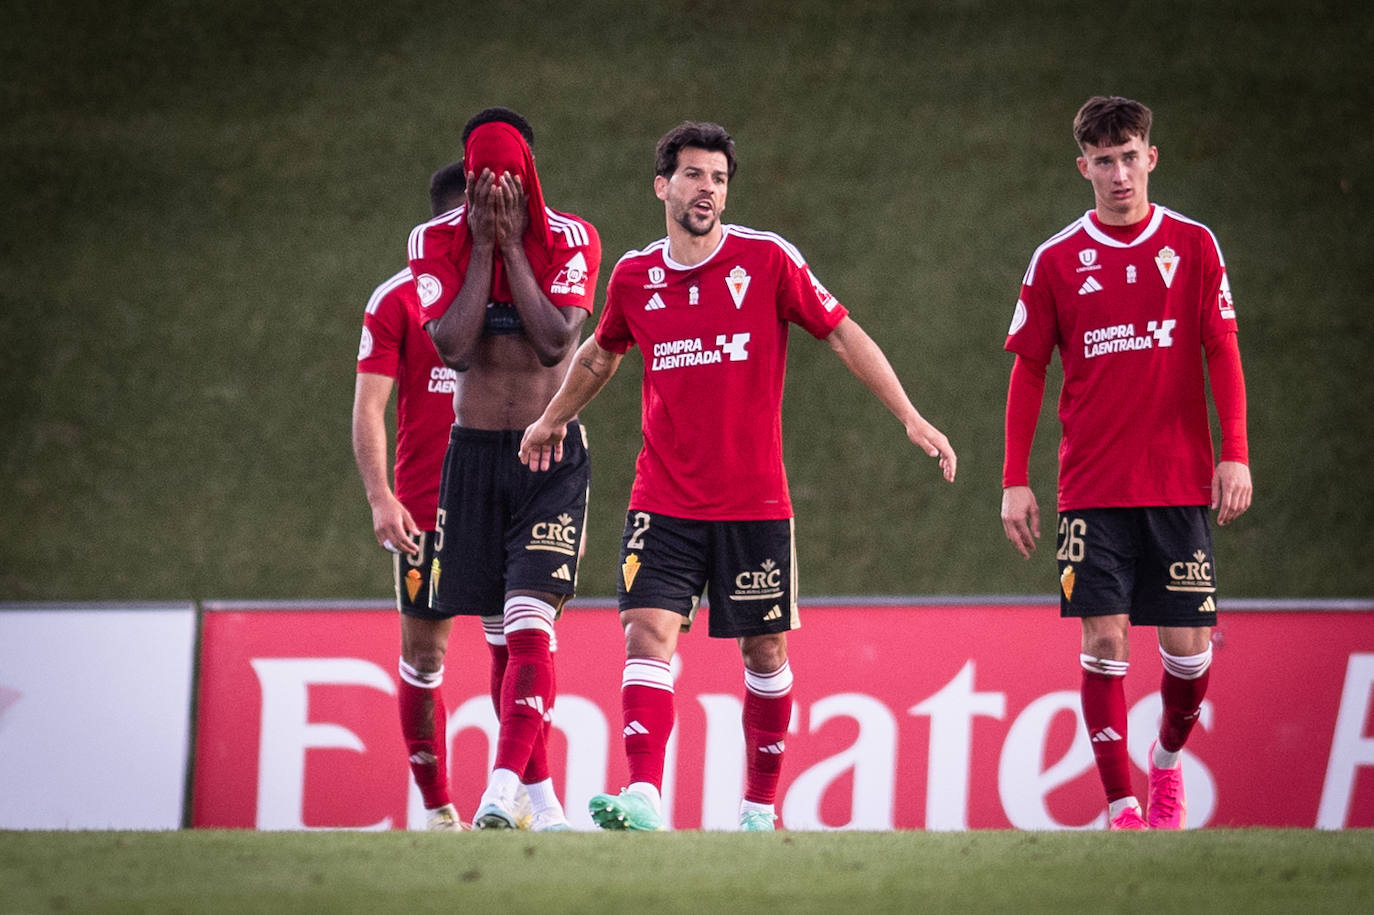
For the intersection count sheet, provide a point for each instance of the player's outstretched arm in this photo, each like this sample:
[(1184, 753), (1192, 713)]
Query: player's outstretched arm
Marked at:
[(542, 444), (866, 360)]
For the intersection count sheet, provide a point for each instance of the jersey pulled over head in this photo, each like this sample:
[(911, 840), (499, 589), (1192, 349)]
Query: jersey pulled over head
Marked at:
[(500, 147)]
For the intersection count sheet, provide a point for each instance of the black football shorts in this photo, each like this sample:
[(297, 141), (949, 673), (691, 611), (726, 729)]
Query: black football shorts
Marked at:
[(502, 527), (1153, 563), (746, 569)]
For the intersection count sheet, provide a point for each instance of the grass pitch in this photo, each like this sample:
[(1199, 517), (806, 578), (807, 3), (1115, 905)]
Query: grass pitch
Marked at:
[(240, 871)]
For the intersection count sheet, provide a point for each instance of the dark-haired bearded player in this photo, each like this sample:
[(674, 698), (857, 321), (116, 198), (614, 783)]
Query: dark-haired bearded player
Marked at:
[(709, 307), (505, 284)]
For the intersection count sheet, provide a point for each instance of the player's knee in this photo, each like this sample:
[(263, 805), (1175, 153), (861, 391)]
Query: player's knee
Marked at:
[(424, 657), (764, 654)]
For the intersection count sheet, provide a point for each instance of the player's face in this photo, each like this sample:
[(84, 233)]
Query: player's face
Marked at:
[(1120, 176), (694, 195)]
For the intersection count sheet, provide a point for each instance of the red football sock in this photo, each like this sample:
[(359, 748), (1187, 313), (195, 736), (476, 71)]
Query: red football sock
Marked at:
[(1104, 712), (526, 694), (1182, 703), (648, 713), (765, 728), (538, 767), (424, 727)]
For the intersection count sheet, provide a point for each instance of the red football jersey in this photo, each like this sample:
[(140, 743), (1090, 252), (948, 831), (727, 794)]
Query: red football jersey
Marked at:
[(714, 340), (1130, 317), (568, 280), (394, 343)]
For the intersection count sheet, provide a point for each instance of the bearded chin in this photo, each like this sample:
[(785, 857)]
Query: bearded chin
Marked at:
[(685, 220)]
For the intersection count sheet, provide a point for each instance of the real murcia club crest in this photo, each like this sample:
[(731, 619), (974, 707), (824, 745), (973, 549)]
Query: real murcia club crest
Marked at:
[(738, 284), (1167, 261)]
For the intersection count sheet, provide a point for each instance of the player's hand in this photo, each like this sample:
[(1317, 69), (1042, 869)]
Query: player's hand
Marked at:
[(481, 212), (1021, 518), (934, 443), (394, 528), (512, 218), (542, 444), (1231, 491)]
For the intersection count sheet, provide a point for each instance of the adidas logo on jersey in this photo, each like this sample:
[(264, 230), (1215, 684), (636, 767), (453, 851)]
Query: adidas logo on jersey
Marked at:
[(562, 573), (1089, 285), (655, 303), (1106, 735)]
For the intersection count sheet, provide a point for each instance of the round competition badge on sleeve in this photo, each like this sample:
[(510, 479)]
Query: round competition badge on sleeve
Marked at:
[(428, 288)]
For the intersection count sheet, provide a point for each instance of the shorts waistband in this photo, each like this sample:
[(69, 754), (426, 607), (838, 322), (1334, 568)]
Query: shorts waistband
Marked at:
[(459, 433)]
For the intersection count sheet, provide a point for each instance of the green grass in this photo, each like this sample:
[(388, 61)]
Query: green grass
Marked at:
[(1251, 871), (200, 197)]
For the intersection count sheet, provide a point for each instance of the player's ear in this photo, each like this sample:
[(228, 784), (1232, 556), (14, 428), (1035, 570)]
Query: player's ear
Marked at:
[(1152, 159), (1082, 164), (660, 187)]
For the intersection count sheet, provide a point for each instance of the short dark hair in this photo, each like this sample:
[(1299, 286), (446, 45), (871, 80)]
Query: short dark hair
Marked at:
[(447, 188), (1110, 120), (504, 116), (696, 134)]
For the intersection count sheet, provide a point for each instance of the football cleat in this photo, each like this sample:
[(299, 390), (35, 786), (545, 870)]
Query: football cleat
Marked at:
[(1168, 808), (628, 810), (522, 809), (445, 819), (494, 816), (549, 821), (1128, 818), (756, 821)]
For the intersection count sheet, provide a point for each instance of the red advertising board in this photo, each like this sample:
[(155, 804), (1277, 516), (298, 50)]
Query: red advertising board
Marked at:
[(948, 716)]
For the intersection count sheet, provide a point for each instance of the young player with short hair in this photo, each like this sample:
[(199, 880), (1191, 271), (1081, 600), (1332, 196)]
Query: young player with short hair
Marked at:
[(1133, 296)]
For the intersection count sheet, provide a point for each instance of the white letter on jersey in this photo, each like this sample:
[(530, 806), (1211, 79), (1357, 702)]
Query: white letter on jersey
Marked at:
[(734, 347)]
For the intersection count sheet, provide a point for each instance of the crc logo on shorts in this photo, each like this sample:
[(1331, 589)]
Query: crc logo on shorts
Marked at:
[(763, 583), (572, 279), (428, 288), (555, 536), (1193, 574)]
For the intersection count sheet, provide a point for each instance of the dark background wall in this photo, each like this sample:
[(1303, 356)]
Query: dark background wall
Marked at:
[(200, 197)]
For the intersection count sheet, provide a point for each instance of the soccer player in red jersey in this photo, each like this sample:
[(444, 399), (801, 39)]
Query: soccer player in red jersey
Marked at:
[(505, 284), (395, 352), (709, 307), (1132, 295)]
